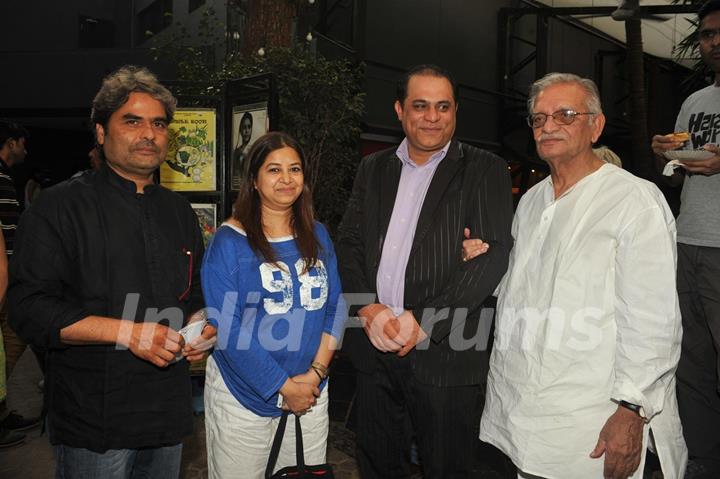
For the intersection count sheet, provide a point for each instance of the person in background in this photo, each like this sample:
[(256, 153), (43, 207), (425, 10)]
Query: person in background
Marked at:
[(275, 345), (8, 437), (608, 156), (698, 246), (13, 151), (95, 161)]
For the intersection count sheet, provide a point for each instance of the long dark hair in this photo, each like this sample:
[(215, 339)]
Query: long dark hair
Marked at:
[(247, 208)]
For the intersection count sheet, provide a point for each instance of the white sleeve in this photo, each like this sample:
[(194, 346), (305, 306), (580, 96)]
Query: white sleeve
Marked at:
[(647, 311)]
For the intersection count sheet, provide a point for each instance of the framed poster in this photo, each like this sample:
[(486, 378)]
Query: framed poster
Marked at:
[(249, 122), (192, 151), (207, 217)]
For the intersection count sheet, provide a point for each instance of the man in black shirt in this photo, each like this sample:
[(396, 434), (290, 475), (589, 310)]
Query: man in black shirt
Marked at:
[(106, 270)]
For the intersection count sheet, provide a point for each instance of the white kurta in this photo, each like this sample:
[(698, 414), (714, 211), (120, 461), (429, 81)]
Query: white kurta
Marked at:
[(587, 314)]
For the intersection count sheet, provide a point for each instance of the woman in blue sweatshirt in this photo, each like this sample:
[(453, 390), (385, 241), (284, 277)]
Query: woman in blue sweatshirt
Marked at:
[(273, 292)]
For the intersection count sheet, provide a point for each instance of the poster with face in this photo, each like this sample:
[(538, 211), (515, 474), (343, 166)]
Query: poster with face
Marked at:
[(249, 122)]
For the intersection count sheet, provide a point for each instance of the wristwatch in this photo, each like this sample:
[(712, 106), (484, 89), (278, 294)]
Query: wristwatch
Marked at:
[(633, 407)]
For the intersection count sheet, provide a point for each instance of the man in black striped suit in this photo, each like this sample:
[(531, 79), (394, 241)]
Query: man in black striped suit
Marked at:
[(400, 242)]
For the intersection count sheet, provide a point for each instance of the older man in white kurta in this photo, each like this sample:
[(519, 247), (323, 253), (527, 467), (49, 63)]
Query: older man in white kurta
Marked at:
[(588, 328)]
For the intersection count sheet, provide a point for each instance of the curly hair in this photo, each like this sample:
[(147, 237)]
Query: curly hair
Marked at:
[(116, 89)]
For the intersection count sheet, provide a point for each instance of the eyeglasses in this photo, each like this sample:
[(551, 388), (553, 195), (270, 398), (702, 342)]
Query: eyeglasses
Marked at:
[(560, 117), (707, 35)]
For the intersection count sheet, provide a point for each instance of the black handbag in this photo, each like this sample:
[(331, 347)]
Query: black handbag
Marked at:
[(301, 471)]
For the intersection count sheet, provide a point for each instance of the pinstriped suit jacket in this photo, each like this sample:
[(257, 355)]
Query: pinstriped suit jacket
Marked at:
[(470, 188)]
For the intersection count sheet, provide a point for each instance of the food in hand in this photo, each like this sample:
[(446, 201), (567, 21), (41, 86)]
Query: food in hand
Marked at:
[(679, 136)]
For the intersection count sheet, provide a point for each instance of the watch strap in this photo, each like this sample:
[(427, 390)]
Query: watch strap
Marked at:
[(633, 407)]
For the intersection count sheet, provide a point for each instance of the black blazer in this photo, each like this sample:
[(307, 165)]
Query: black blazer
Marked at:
[(470, 188)]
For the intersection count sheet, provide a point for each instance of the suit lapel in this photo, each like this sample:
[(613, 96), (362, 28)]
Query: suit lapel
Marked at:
[(388, 191), (444, 173)]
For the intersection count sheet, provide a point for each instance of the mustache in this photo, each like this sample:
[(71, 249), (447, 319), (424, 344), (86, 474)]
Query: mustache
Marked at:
[(146, 145), (551, 136)]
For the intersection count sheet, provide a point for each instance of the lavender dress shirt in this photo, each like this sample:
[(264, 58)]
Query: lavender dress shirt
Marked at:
[(414, 182)]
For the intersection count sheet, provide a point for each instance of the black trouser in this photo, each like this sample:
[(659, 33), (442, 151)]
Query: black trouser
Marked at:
[(391, 405), (697, 374)]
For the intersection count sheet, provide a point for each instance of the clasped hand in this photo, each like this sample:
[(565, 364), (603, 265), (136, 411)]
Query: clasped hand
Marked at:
[(390, 333), (300, 393)]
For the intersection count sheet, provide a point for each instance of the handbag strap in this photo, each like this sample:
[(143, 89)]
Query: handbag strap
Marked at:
[(277, 442), (299, 450)]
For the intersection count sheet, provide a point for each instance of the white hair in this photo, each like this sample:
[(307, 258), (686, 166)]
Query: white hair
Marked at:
[(593, 95)]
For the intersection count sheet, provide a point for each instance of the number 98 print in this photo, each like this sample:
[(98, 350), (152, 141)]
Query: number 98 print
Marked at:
[(284, 284)]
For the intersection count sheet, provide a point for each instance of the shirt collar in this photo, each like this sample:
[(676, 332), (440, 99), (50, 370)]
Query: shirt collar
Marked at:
[(404, 155), (123, 183), (550, 191)]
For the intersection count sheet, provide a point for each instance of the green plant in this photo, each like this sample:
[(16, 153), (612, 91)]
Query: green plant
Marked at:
[(320, 102), (193, 55)]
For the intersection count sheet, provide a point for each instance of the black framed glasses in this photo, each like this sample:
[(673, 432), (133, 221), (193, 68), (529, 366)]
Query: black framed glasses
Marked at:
[(708, 34), (561, 117)]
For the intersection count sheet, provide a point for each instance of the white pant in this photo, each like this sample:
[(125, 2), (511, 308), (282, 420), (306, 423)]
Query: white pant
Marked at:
[(239, 441)]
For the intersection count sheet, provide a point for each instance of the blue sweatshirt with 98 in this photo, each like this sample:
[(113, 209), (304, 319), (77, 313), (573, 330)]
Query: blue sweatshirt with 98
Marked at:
[(269, 317)]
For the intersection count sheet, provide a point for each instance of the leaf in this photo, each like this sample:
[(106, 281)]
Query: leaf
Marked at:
[(321, 103)]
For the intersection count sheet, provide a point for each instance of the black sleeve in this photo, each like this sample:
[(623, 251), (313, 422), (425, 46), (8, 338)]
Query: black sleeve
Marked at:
[(489, 218), (38, 309), (350, 245)]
